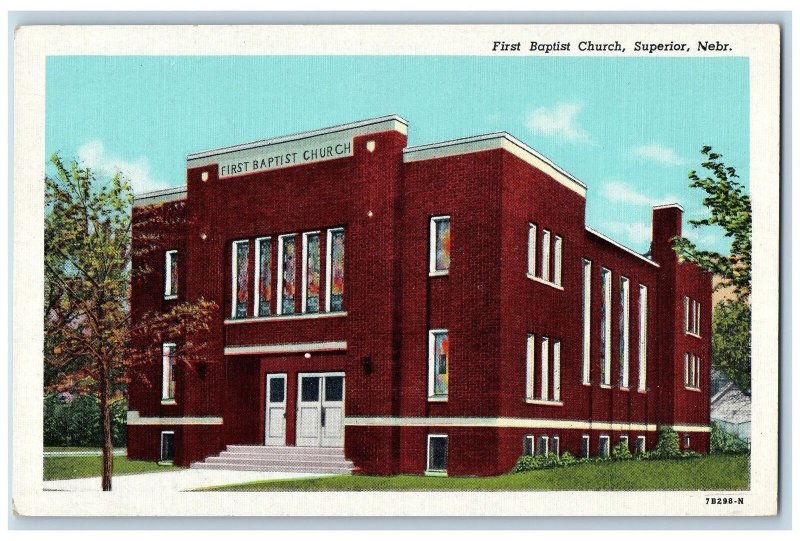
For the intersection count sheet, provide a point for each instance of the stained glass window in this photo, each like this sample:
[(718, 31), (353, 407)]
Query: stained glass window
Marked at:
[(168, 372), (241, 254), (171, 274), (287, 272), (335, 272), (439, 355), (440, 244), (264, 284), (605, 327), (312, 273)]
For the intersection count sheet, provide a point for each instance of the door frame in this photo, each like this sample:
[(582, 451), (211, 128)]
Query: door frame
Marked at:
[(300, 375), (267, 377)]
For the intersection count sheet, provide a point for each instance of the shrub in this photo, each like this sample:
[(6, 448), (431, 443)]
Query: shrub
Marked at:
[(667, 445), (723, 442), (543, 462), (74, 421), (621, 451)]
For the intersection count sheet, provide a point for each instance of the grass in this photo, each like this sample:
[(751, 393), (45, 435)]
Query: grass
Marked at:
[(74, 467), (716, 472)]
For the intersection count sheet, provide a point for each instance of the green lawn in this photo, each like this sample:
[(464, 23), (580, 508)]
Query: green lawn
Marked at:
[(704, 473), (73, 467), (49, 449)]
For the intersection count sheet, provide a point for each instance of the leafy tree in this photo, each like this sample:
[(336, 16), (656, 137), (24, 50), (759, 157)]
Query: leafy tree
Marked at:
[(667, 445), (89, 338), (730, 342), (730, 209)]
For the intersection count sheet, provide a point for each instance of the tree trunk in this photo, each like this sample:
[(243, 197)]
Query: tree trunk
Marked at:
[(107, 462)]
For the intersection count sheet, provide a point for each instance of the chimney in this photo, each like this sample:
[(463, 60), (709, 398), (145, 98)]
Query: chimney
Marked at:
[(667, 223)]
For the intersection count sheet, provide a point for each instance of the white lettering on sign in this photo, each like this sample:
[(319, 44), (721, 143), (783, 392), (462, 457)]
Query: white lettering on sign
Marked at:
[(278, 158)]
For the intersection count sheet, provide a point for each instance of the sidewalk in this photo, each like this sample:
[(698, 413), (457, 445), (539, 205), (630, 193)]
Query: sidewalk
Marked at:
[(172, 481), (93, 452)]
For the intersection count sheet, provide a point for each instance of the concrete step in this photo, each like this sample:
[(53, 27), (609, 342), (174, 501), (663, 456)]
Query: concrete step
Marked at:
[(276, 463), (263, 449), (284, 456), (283, 468)]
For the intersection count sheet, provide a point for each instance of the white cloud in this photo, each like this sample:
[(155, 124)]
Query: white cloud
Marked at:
[(658, 153), (620, 192), (94, 155), (637, 234), (558, 121)]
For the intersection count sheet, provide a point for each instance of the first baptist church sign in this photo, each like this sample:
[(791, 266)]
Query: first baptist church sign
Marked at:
[(277, 158)]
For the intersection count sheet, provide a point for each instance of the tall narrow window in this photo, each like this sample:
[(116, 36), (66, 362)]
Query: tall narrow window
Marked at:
[(334, 271), (556, 370), (171, 274), (697, 372), (587, 320), (686, 327), (555, 446), (241, 256), (605, 446), (697, 320), (557, 260), (605, 327), (531, 249), (440, 245), (168, 372), (438, 357), (642, 337), (311, 272), (686, 361), (544, 446), (545, 272), (624, 332), (263, 276), (287, 271), (544, 385), (167, 453), (585, 450), (530, 371)]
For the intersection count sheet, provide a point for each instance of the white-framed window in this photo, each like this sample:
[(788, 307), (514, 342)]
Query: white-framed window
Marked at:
[(287, 272), (605, 327), (544, 362), (642, 337), (240, 267), (439, 258), (167, 451), (687, 442), (691, 316), (545, 270), (624, 332), (171, 274), (310, 292), (527, 445), (530, 367), (262, 297), (168, 372), (587, 322), (691, 371), (437, 453), (334, 270), (557, 247), (585, 446), (641, 444), (555, 446), (623, 439), (604, 449), (543, 448), (438, 360), (532, 249)]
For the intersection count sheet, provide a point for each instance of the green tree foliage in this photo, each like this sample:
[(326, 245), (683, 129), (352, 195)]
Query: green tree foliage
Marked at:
[(730, 209), (723, 442), (730, 342), (667, 445), (621, 451), (88, 330), (74, 421)]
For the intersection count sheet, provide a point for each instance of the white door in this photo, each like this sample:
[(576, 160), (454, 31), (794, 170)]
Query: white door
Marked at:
[(275, 415), (320, 410)]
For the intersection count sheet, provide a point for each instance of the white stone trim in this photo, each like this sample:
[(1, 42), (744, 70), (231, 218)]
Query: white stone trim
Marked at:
[(342, 131), (492, 141), (620, 246), (295, 347), (159, 196), (135, 419), (513, 422), (545, 282), (668, 205), (289, 317)]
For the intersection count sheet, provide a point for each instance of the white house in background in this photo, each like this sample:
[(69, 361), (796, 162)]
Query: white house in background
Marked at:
[(730, 408)]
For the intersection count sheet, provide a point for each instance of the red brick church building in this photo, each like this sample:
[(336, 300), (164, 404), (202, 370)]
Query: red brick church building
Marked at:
[(437, 309)]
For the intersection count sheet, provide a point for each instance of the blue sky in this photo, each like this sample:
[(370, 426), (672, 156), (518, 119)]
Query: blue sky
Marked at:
[(630, 128)]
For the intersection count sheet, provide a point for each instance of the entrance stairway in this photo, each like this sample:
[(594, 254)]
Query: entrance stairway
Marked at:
[(278, 459)]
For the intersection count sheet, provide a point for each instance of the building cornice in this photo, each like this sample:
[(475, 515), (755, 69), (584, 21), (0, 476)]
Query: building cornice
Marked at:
[(159, 196), (620, 246)]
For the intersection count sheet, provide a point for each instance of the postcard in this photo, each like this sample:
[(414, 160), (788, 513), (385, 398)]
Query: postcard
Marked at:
[(488, 270)]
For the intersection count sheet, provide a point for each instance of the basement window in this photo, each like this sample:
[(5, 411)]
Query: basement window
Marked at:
[(527, 445), (437, 454), (167, 454), (641, 445), (605, 446)]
